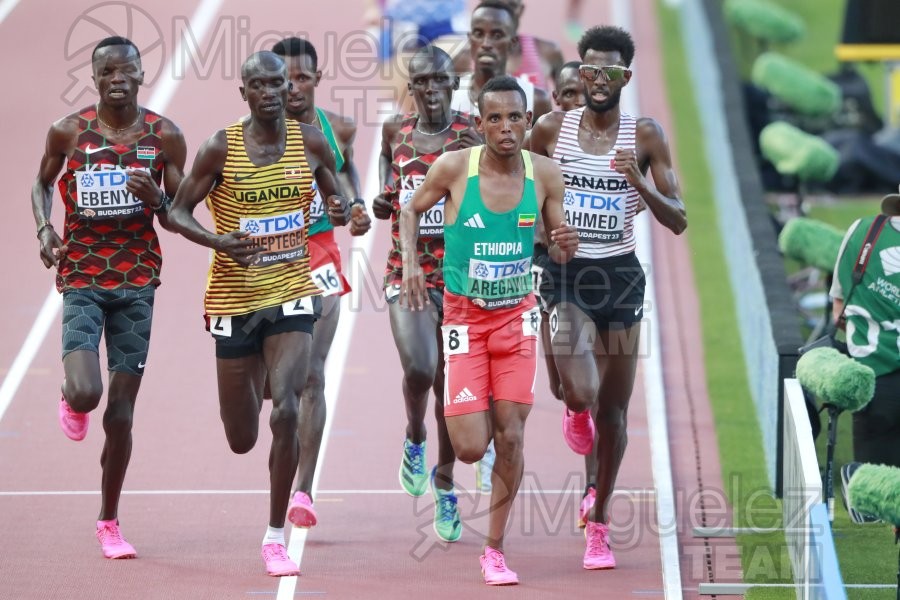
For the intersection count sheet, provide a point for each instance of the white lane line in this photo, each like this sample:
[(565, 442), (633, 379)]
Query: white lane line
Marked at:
[(654, 390), (636, 493), (6, 7), (34, 339), (337, 357), (49, 312)]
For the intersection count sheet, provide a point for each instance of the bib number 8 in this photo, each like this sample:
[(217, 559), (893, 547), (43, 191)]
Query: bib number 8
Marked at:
[(456, 339)]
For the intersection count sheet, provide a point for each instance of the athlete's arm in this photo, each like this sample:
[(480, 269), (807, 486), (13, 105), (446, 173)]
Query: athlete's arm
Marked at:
[(381, 205), (541, 138), (205, 173), (665, 200), (174, 154), (340, 212), (562, 236), (438, 180), (61, 141)]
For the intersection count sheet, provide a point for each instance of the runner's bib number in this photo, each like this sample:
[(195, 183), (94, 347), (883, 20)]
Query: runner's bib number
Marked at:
[(599, 218), (103, 195), (531, 322), (317, 207), (282, 237), (327, 280), (431, 222), (456, 339)]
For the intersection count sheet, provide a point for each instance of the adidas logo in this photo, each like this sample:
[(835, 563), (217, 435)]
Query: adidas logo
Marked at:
[(474, 221), (465, 395)]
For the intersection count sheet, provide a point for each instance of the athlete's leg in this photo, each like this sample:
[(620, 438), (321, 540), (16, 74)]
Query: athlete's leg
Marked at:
[(286, 357), (509, 437), (446, 456), (572, 345), (415, 340), (617, 353), (82, 386), (82, 326), (312, 403), (118, 419), (552, 371)]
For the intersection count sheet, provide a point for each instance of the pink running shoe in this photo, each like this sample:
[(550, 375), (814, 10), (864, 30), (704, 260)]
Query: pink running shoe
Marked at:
[(112, 543), (494, 569), (74, 425), (587, 503), (301, 512), (277, 562), (578, 429), (597, 554)]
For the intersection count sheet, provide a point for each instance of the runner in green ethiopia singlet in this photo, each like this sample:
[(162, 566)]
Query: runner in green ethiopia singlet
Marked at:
[(488, 254), (872, 323), (318, 220)]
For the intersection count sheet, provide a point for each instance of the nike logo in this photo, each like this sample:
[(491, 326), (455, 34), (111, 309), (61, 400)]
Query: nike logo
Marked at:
[(141, 365), (637, 311), (403, 163), (98, 149), (245, 176), (564, 161)]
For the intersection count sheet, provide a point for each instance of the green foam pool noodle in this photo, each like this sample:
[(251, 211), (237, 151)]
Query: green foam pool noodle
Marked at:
[(797, 153), (764, 20), (836, 379), (798, 86), (875, 490), (811, 242)]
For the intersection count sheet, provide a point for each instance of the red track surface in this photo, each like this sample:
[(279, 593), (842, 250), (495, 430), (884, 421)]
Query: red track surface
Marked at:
[(205, 545)]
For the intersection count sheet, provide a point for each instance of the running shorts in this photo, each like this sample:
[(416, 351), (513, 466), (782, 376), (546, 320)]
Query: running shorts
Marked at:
[(123, 314), (325, 264), (243, 335), (488, 353), (609, 290)]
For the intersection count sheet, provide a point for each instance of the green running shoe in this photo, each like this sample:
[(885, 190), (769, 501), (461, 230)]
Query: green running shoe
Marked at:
[(413, 476), (447, 524)]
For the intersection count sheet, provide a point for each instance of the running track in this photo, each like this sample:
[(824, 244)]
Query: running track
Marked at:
[(195, 512)]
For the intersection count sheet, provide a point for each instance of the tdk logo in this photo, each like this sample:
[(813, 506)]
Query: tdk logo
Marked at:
[(104, 179), (492, 271), (592, 201), (277, 224)]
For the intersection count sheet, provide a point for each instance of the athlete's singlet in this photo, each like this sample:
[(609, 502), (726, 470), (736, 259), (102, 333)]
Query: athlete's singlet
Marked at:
[(409, 169), (318, 219), (598, 201), (109, 232), (489, 253), (272, 204)]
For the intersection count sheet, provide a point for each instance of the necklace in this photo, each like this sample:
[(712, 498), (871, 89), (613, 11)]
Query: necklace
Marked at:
[(594, 136), (436, 132), (119, 129)]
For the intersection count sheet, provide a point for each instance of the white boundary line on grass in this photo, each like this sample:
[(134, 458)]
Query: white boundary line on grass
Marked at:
[(654, 389), (159, 101)]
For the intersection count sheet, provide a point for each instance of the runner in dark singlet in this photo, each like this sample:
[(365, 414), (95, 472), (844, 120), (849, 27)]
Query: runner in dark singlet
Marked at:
[(410, 143), (115, 154), (597, 300), (325, 256)]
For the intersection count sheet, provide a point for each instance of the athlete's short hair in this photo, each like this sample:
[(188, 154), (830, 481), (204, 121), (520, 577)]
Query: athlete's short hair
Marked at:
[(114, 40), (497, 5), (294, 46), (434, 56), (572, 64), (501, 83), (607, 38)]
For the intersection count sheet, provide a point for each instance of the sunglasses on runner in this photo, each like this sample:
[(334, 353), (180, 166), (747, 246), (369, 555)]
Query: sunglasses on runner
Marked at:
[(610, 72)]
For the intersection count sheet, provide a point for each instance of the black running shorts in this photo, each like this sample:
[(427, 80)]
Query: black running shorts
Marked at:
[(609, 290), (243, 335)]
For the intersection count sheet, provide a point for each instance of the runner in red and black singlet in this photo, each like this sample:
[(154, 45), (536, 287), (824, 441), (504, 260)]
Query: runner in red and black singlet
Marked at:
[(605, 156), (410, 144), (302, 63), (116, 155)]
